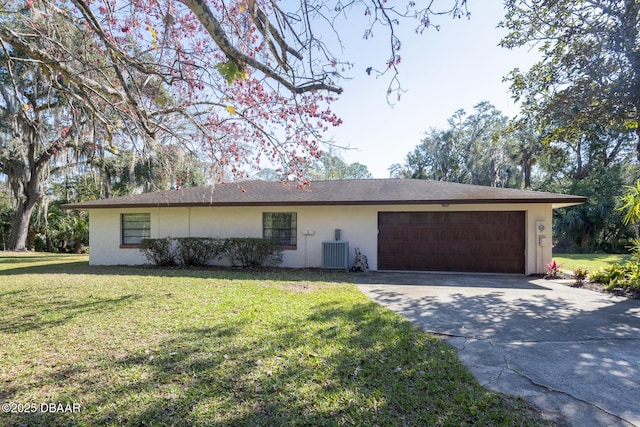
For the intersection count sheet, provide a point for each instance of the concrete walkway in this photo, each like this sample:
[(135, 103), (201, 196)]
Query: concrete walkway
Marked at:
[(573, 353)]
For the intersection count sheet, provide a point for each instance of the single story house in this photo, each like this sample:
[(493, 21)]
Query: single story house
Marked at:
[(399, 224)]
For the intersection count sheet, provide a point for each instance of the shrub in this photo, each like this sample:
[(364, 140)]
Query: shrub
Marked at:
[(633, 276), (253, 251), (553, 269), (159, 251), (579, 275), (618, 276), (607, 274), (634, 248), (198, 251)]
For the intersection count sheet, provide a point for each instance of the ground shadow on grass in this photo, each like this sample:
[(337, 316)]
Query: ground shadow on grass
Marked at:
[(23, 312), (77, 267), (57, 265), (338, 364), (21, 257)]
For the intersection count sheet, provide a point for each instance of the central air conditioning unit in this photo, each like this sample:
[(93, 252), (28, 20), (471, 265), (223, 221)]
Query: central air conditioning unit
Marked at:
[(335, 254)]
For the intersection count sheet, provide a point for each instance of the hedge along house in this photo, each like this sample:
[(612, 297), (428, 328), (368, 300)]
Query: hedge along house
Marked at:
[(399, 224)]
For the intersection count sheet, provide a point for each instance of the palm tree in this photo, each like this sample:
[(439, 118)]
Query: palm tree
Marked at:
[(631, 204)]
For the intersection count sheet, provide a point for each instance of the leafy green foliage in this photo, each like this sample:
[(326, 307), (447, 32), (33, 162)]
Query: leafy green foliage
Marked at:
[(67, 230), (596, 225), (62, 230), (582, 98), (484, 148), (198, 251), (631, 207), (588, 75), (231, 72), (615, 275), (166, 167), (579, 275), (7, 214), (36, 130), (159, 251), (253, 251), (331, 166), (626, 276), (474, 149), (202, 251)]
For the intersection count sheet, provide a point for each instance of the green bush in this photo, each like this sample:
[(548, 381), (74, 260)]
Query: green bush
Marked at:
[(607, 274), (614, 276), (201, 251), (579, 275), (253, 251), (159, 251), (632, 279), (198, 251), (7, 215)]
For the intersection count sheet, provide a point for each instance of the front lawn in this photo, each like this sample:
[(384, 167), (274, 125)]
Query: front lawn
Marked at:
[(589, 262), (142, 346)]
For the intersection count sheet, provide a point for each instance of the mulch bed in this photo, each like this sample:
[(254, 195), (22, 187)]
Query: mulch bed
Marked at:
[(597, 287)]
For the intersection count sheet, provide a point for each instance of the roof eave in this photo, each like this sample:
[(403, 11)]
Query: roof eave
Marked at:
[(559, 205), (555, 202)]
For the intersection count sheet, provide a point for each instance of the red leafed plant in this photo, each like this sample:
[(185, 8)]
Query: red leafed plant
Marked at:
[(553, 269)]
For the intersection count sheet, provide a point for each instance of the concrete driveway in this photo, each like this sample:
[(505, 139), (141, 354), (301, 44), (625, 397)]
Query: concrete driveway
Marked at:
[(573, 353)]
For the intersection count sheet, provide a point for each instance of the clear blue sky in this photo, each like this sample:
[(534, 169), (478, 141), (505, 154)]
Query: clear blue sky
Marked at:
[(442, 71)]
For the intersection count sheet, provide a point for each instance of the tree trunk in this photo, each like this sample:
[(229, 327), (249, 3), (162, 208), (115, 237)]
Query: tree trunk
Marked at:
[(20, 228), (28, 194), (527, 165)]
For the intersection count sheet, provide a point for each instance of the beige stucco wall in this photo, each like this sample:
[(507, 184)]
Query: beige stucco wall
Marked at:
[(358, 225)]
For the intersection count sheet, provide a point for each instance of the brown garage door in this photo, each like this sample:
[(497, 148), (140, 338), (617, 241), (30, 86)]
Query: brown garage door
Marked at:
[(491, 242)]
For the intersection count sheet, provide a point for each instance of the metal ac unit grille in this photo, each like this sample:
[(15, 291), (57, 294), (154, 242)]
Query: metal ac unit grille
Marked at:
[(335, 254)]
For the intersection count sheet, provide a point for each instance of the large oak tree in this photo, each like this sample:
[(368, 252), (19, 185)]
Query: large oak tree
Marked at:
[(241, 82), (36, 126)]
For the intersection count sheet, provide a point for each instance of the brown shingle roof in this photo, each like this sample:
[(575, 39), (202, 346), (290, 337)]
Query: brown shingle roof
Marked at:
[(346, 192)]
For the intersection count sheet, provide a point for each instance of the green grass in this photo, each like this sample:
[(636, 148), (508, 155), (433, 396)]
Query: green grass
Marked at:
[(590, 262), (140, 346)]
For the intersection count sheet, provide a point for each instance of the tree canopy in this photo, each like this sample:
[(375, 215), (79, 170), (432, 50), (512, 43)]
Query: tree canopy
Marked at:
[(475, 149), (589, 74), (238, 83), (244, 81), (331, 166)]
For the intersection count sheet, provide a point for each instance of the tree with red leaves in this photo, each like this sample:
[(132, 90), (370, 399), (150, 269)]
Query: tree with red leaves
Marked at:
[(240, 82)]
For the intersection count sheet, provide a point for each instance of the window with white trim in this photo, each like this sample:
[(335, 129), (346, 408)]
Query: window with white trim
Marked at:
[(134, 228), (281, 226)]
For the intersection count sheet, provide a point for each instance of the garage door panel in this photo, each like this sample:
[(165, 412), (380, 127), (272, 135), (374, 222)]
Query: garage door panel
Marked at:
[(400, 219), (452, 241), (394, 234)]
